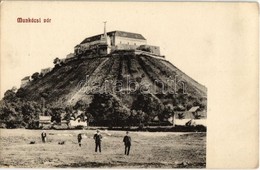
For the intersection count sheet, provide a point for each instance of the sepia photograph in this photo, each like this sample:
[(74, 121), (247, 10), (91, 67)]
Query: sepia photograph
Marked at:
[(119, 85)]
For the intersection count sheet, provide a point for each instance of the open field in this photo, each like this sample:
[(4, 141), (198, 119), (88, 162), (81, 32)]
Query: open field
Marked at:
[(149, 149)]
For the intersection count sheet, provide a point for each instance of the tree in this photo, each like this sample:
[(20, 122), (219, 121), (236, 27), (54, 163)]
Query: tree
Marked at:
[(14, 89), (90, 118), (100, 107), (148, 104), (9, 115), (21, 93), (35, 76), (80, 105), (31, 112), (69, 109), (120, 116), (108, 111), (56, 61), (180, 115), (10, 96), (68, 115), (56, 114), (167, 113), (16, 112), (19, 113), (196, 115), (137, 118)]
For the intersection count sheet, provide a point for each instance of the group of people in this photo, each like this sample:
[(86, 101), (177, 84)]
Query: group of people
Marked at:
[(98, 139)]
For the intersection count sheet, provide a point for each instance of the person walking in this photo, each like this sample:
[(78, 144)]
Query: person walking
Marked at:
[(98, 138), (79, 139), (43, 135), (127, 141)]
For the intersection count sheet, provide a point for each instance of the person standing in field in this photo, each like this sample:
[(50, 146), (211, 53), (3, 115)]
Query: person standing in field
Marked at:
[(44, 135), (127, 141), (79, 139), (98, 137)]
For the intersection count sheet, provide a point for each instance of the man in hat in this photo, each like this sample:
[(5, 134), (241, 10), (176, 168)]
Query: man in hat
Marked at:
[(79, 139), (127, 141), (98, 137), (43, 135)]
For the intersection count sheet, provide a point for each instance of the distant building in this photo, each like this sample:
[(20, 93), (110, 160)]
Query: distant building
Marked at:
[(62, 60), (44, 120), (194, 109), (45, 71), (194, 113), (156, 119), (70, 55), (78, 119), (78, 122), (25, 81), (183, 115), (197, 113)]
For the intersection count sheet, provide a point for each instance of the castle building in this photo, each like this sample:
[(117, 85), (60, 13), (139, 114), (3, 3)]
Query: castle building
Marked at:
[(115, 40), (150, 48), (70, 55), (25, 81), (45, 71), (108, 42)]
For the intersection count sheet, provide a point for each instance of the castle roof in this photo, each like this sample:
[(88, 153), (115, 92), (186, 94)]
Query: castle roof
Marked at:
[(194, 109), (116, 33), (46, 69), (26, 78)]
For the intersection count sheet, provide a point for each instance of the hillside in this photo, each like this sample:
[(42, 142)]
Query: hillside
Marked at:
[(115, 74), (123, 88)]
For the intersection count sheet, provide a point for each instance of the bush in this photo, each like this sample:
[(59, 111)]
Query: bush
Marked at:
[(108, 111), (79, 127), (60, 127), (148, 104), (35, 76), (3, 125), (200, 128), (46, 127)]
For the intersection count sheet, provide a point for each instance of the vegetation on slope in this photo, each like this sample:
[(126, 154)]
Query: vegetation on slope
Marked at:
[(101, 86)]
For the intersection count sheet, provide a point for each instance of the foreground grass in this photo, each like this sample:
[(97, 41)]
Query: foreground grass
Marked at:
[(149, 149)]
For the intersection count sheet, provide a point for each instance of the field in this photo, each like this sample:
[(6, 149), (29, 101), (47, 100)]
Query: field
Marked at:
[(149, 150)]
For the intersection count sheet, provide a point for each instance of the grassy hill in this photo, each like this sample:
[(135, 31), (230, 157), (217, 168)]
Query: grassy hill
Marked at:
[(116, 90), (118, 74)]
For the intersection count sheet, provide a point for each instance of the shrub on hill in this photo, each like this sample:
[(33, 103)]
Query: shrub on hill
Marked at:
[(148, 104), (108, 111)]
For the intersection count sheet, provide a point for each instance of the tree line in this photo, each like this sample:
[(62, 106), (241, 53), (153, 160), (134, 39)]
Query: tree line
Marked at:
[(104, 110)]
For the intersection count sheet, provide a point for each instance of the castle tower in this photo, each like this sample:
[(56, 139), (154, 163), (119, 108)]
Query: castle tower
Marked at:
[(106, 38), (105, 31), (105, 47)]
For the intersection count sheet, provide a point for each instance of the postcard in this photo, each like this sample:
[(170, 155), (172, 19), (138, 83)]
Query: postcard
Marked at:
[(103, 84)]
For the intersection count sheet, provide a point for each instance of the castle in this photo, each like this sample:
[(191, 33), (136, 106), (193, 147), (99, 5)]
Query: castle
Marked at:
[(104, 44), (109, 42)]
